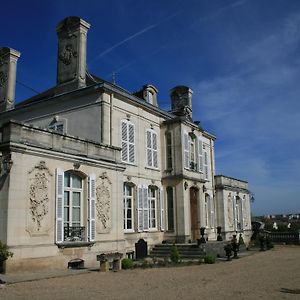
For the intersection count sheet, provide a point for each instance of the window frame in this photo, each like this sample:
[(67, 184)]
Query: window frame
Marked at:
[(132, 200), (151, 200), (150, 149), (127, 142)]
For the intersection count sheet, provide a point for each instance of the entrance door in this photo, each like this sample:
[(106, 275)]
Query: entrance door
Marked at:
[(195, 234)]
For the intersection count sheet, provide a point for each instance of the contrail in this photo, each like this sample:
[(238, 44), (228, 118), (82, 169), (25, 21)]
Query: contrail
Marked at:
[(146, 29)]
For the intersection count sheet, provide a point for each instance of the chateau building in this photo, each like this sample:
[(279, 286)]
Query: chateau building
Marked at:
[(89, 168)]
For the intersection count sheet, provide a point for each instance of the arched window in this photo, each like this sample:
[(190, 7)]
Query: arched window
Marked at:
[(152, 199), (128, 206), (75, 206)]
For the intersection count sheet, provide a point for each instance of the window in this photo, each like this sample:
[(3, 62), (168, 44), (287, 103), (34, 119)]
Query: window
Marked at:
[(152, 196), (189, 151), (72, 201), (169, 150), (128, 207), (149, 97), (128, 149), (193, 165), (57, 126), (75, 213), (170, 205), (151, 145), (200, 156)]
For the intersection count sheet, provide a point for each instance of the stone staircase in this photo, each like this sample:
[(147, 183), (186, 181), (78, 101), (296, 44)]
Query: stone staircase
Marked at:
[(186, 251)]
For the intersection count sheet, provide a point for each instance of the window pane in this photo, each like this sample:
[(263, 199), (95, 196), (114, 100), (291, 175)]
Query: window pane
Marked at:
[(66, 214), (128, 203), (67, 180), (66, 199), (76, 199), (76, 182), (76, 214), (129, 224), (129, 213)]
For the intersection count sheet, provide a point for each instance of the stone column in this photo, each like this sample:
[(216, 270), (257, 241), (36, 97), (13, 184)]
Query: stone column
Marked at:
[(71, 63), (8, 70)]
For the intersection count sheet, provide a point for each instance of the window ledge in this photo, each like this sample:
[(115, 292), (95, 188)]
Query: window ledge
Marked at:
[(152, 168), (129, 231), (74, 244)]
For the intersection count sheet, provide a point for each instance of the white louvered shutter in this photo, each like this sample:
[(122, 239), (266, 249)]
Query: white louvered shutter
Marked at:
[(200, 155), (124, 141), (92, 207), (154, 149), (162, 210), (149, 147), (145, 208), (59, 205), (131, 143), (186, 150), (140, 209), (205, 164)]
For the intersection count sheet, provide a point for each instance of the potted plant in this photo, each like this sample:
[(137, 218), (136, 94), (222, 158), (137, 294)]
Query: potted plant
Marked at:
[(4, 255)]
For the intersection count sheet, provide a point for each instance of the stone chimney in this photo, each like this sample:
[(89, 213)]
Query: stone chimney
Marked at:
[(181, 101), (8, 70), (71, 63)]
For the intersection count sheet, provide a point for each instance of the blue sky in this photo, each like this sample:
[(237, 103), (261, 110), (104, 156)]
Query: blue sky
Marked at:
[(241, 58)]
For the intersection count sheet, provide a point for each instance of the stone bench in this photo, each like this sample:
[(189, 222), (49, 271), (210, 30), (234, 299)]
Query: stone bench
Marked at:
[(112, 259)]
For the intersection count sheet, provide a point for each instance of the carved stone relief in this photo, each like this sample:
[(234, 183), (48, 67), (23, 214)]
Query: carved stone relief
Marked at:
[(39, 195), (67, 54), (230, 211), (245, 212), (103, 203)]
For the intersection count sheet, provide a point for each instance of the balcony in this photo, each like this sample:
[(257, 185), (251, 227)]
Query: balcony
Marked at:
[(74, 233)]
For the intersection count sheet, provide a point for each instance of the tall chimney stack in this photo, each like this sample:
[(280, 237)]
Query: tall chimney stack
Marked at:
[(8, 70), (71, 63), (181, 101)]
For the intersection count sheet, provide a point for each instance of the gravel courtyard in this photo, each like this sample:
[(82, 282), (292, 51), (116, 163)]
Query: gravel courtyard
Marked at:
[(272, 275)]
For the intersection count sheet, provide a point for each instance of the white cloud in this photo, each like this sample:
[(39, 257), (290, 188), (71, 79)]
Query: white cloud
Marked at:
[(256, 112)]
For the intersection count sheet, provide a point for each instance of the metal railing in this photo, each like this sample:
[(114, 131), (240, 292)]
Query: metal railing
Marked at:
[(284, 237), (74, 233)]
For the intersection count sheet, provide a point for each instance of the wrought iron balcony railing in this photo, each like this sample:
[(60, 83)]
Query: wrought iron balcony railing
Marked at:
[(74, 233)]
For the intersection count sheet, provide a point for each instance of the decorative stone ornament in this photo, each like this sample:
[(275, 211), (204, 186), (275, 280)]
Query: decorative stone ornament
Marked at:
[(103, 203), (39, 195)]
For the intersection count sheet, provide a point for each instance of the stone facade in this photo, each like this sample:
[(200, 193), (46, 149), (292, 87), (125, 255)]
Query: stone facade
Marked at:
[(88, 168)]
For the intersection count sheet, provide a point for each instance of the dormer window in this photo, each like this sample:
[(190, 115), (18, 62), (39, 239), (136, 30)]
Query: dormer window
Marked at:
[(57, 125), (148, 93), (149, 97)]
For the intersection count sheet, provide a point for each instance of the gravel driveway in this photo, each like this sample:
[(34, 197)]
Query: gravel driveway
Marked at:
[(273, 274)]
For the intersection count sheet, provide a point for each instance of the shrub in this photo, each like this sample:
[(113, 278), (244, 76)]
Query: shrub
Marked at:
[(174, 254), (269, 243), (241, 240), (4, 253), (209, 259), (127, 263)]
